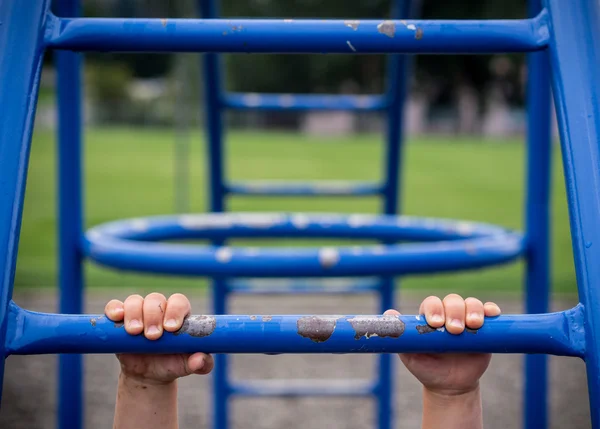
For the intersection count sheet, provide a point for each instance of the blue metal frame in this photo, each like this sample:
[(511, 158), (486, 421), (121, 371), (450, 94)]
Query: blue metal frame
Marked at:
[(555, 31), (537, 275), (70, 217)]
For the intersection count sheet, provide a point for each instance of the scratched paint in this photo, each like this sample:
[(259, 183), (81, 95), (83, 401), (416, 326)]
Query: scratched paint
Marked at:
[(198, 326), (388, 28), (384, 326), (317, 328)]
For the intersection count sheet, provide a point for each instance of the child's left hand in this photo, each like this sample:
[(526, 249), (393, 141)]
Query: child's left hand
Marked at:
[(451, 374)]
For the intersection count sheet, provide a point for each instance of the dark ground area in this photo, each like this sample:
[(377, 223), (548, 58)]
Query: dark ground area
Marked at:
[(30, 395)]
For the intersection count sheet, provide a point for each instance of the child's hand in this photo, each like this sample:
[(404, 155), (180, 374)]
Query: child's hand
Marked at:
[(151, 316), (451, 373)]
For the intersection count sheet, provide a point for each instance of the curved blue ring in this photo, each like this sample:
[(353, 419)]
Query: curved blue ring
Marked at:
[(445, 245)]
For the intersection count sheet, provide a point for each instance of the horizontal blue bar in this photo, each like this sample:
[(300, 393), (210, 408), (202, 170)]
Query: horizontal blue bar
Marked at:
[(291, 189), (297, 36), (304, 387), (303, 286), (42, 333), (451, 246), (304, 102)]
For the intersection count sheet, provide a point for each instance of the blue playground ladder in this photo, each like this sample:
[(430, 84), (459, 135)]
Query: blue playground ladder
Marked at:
[(558, 38)]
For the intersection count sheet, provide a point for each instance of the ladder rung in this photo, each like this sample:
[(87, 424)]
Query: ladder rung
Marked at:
[(287, 388), (291, 286), (329, 188), (304, 102), (279, 36)]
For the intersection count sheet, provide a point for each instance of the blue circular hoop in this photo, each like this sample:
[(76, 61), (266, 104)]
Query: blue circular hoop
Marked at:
[(426, 245)]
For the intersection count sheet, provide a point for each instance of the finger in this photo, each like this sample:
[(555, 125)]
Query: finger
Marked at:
[(454, 307), (114, 310), (474, 311), (134, 319), (178, 307), (391, 312), (433, 309), (200, 363), (491, 309), (155, 305)]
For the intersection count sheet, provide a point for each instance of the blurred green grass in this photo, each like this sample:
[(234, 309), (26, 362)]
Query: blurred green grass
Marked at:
[(130, 173)]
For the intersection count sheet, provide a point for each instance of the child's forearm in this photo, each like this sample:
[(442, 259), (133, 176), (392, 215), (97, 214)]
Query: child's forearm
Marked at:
[(462, 411), (142, 405)]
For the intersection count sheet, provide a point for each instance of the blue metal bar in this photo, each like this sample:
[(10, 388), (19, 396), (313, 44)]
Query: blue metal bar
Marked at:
[(291, 189), (317, 287), (20, 70), (575, 59), (537, 280), (560, 333), (220, 226), (299, 102), (70, 219), (397, 75), (298, 36), (414, 258), (211, 70), (305, 387)]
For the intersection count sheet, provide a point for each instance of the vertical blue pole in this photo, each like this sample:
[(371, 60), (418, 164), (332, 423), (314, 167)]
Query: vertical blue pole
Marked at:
[(70, 207), (21, 30), (575, 57), (537, 276), (214, 129), (398, 72)]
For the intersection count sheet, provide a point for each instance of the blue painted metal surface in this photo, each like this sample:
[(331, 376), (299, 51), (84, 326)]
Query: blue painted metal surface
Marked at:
[(559, 334), (20, 69), (211, 69), (299, 36), (70, 222), (575, 58), (297, 388), (125, 245), (303, 286), (292, 189), (537, 230), (304, 102)]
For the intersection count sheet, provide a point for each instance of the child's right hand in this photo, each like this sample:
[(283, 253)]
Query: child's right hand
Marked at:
[(153, 315)]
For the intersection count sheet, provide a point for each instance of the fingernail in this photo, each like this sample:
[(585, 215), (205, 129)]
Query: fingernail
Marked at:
[(456, 323), (134, 323), (474, 316), (436, 318), (152, 330), (171, 323)]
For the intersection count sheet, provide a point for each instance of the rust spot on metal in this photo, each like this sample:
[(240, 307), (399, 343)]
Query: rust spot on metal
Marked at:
[(317, 328), (164, 22), (388, 28), (425, 329), (419, 34), (352, 24), (198, 326), (384, 326), (252, 317), (93, 322), (267, 318)]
